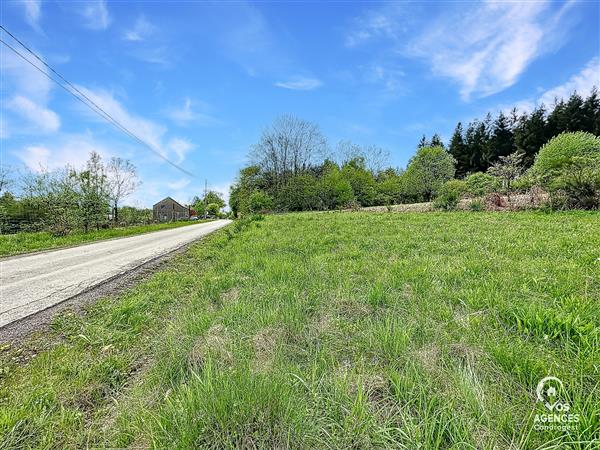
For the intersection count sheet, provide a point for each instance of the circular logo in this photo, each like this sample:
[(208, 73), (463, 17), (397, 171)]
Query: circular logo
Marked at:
[(548, 390)]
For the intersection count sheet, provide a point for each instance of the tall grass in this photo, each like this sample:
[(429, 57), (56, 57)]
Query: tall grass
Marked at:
[(341, 330)]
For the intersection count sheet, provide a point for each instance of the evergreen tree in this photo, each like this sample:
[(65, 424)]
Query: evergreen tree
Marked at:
[(423, 142), (458, 149), (591, 113), (436, 141), (502, 139), (530, 134), (574, 113)]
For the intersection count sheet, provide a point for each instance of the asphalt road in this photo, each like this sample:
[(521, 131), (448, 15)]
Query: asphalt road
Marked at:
[(32, 283)]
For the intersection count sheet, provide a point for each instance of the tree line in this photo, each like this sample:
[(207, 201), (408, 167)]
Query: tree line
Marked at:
[(478, 146), (69, 199), (292, 168)]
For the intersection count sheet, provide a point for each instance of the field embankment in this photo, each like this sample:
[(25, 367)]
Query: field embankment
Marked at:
[(18, 243), (330, 331)]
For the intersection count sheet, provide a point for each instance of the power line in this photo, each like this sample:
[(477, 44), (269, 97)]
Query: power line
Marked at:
[(75, 92)]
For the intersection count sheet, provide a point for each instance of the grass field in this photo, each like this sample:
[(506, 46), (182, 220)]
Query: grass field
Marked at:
[(330, 330), (13, 244)]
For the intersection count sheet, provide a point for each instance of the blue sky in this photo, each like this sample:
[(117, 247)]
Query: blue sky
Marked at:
[(198, 81)]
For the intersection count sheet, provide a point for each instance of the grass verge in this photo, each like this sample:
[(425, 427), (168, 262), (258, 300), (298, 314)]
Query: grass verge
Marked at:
[(349, 330), (14, 244)]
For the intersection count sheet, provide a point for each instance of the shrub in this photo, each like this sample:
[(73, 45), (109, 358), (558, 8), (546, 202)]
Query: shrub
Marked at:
[(560, 151), (428, 170), (480, 184), (213, 209), (450, 194), (578, 183), (477, 205), (260, 202)]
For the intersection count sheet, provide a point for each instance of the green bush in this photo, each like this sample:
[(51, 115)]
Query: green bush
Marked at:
[(450, 194), (560, 151), (428, 170), (477, 205), (480, 184), (260, 202), (577, 185)]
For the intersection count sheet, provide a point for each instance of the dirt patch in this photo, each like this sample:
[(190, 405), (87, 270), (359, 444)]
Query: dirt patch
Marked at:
[(265, 346), (230, 296), (215, 343), (429, 357)]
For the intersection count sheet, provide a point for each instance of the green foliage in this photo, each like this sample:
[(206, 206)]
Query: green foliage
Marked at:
[(579, 182), (560, 151), (301, 193), (336, 192), (428, 170), (361, 180), (477, 204), (213, 209), (260, 202), (480, 184), (450, 194)]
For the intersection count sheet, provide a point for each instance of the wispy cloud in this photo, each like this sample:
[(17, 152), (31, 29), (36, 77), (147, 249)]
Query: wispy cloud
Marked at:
[(33, 12), (496, 43), (483, 47), (186, 115), (180, 147), (148, 130), (582, 82), (300, 84), (385, 22), (44, 119), (95, 14), (69, 150), (140, 31)]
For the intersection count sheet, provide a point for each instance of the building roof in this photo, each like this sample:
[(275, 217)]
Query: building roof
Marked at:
[(169, 198)]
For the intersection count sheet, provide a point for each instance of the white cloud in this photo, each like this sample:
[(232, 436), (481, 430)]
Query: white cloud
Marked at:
[(495, 44), (95, 14), (24, 79), (484, 47), (70, 150), (180, 147), (185, 115), (583, 82), (300, 84), (386, 22), (44, 119), (149, 131), (33, 10), (140, 31)]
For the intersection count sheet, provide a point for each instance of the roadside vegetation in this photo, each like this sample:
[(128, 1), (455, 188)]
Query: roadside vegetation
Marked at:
[(293, 168), (13, 244), (329, 330), (70, 205)]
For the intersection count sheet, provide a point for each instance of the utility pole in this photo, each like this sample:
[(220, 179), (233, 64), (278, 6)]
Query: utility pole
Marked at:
[(205, 193)]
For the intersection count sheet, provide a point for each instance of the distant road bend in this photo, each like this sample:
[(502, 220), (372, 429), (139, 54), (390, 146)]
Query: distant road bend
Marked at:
[(32, 283)]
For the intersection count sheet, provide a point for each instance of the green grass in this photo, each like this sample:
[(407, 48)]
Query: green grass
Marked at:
[(13, 244), (330, 330)]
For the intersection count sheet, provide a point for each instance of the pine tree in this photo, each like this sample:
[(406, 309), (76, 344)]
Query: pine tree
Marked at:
[(591, 113), (458, 149), (501, 140), (574, 113), (423, 142), (530, 134), (436, 141)]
